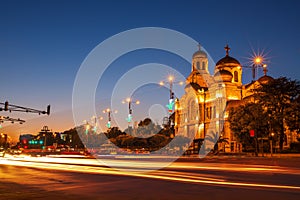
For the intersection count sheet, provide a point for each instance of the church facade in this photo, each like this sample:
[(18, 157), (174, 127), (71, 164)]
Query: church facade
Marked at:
[(203, 110)]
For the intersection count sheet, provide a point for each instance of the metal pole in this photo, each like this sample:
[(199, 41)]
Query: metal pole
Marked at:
[(262, 147), (171, 89), (271, 147), (253, 72), (129, 107)]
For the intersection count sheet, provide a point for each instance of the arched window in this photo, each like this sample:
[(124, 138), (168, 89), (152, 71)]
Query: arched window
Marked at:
[(203, 65), (192, 109), (236, 78), (198, 65)]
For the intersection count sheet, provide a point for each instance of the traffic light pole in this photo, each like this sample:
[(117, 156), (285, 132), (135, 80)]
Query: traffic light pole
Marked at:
[(15, 108)]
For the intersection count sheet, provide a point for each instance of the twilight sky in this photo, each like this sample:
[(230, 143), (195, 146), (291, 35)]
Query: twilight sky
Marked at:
[(43, 44)]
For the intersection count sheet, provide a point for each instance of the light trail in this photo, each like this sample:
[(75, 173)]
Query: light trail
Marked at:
[(93, 166), (140, 165)]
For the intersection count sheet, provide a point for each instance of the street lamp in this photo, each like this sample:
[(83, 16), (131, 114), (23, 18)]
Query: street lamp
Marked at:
[(271, 143), (87, 126), (171, 99), (130, 102), (257, 62), (94, 121), (109, 111)]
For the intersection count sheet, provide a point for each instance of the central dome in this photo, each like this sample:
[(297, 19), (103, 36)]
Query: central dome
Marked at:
[(227, 60)]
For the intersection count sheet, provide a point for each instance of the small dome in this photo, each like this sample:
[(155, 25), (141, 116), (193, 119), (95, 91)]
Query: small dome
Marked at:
[(223, 75), (200, 53), (265, 79)]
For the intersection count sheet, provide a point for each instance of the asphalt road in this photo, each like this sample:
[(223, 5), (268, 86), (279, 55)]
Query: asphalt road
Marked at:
[(216, 178)]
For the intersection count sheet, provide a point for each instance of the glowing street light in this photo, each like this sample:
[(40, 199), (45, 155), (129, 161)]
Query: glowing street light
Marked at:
[(171, 82), (87, 126), (109, 111), (257, 62), (130, 102)]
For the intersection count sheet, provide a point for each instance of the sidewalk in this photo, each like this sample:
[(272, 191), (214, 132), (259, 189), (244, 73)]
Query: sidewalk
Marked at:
[(247, 155)]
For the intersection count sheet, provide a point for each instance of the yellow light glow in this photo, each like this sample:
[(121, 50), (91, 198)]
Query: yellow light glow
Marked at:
[(181, 83), (272, 134), (161, 83), (233, 97), (258, 60), (171, 78), (137, 102), (226, 115)]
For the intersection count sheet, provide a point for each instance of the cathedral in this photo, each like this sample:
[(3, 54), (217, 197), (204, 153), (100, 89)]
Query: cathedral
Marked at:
[(203, 110)]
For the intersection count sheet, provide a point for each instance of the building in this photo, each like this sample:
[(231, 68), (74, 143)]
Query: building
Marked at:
[(203, 110)]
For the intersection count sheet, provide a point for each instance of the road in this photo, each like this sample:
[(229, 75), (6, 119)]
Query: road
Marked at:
[(127, 178)]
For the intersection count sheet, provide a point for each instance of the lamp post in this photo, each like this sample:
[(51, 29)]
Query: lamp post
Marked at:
[(171, 103), (87, 126), (94, 121), (130, 102), (271, 143), (109, 111), (257, 62)]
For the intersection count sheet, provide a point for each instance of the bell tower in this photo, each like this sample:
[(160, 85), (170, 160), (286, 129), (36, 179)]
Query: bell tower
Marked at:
[(200, 61)]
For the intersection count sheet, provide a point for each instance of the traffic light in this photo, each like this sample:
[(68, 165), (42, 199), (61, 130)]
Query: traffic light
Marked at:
[(6, 106), (172, 95), (129, 118), (108, 125), (95, 129), (48, 110), (170, 105)]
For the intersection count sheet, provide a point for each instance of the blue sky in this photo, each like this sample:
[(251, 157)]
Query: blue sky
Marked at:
[(43, 43)]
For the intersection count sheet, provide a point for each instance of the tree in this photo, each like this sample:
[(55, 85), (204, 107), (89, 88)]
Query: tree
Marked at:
[(248, 117), (277, 98), (293, 116)]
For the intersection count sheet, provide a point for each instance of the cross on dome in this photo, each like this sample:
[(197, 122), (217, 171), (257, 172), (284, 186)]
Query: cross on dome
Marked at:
[(227, 49), (199, 46)]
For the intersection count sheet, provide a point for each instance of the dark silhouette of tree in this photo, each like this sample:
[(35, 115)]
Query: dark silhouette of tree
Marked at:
[(76, 141), (249, 117), (277, 97), (114, 132), (293, 116)]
